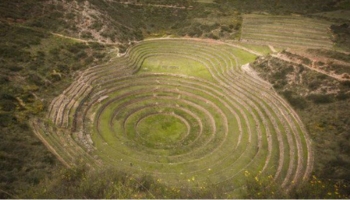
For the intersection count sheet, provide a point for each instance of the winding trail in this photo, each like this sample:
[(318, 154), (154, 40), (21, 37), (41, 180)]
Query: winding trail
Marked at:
[(284, 58)]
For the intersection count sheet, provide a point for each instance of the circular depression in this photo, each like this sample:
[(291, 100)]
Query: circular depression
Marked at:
[(162, 130), (232, 128)]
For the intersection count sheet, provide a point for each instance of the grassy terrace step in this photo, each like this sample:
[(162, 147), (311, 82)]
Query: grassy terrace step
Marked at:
[(286, 19), (182, 111), (301, 25), (287, 33), (285, 30), (308, 40), (285, 44)]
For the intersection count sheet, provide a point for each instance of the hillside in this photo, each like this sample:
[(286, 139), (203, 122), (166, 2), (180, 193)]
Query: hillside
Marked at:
[(47, 45), (321, 98)]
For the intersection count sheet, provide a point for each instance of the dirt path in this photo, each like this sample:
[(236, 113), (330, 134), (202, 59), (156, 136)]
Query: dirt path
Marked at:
[(167, 38), (68, 37), (272, 49), (154, 5), (210, 41), (82, 40), (47, 144), (284, 58)]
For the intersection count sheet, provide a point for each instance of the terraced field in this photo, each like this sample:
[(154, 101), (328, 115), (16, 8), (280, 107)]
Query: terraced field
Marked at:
[(286, 31), (187, 112)]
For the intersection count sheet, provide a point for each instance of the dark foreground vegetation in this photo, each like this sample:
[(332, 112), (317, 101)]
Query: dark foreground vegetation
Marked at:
[(36, 66), (80, 182)]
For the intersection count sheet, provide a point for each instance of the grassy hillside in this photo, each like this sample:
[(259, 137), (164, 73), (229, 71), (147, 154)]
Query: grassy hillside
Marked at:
[(35, 65)]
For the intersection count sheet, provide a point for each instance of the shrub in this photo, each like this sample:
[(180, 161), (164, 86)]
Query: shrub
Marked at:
[(5, 119), (343, 96), (314, 85), (15, 68), (211, 35), (96, 46), (36, 79), (63, 68), (320, 98), (86, 35), (122, 48), (295, 100), (80, 55), (7, 105), (4, 79), (225, 28), (346, 83)]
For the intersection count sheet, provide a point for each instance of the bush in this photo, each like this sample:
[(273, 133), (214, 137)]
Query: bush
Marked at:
[(346, 83), (14, 52), (281, 74), (314, 85), (4, 79), (225, 28), (295, 100), (7, 105), (96, 46), (5, 119), (86, 35), (212, 36), (81, 55), (36, 79), (320, 98), (343, 96)]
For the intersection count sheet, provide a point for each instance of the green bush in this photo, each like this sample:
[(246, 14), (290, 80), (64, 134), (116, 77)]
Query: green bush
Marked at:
[(314, 84), (3, 79), (343, 96), (346, 83), (14, 52), (295, 100), (225, 28), (5, 119), (86, 35), (320, 98), (7, 105)]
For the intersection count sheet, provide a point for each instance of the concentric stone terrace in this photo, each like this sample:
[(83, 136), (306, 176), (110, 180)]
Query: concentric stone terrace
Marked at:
[(186, 112)]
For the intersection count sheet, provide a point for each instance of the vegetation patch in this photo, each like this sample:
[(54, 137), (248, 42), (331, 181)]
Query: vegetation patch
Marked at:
[(322, 103), (286, 31), (176, 65)]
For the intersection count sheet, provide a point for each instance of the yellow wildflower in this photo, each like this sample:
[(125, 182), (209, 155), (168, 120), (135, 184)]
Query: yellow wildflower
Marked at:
[(256, 179)]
